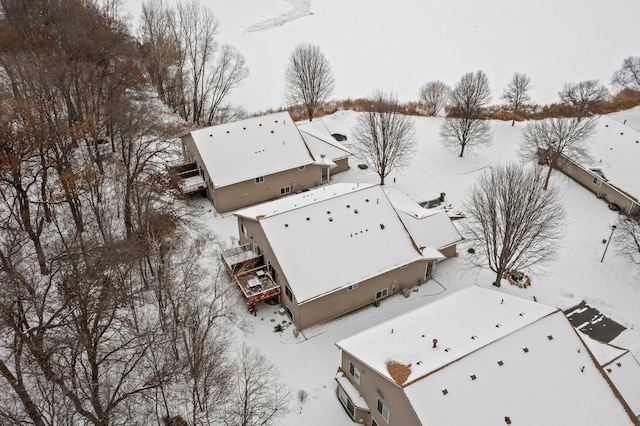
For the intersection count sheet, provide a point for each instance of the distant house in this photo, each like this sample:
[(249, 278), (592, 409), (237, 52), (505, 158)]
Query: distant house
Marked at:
[(479, 357), (334, 249), (612, 172), (258, 159)]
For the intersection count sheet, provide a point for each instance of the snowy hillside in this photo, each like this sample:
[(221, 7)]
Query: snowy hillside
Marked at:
[(309, 362), (400, 45)]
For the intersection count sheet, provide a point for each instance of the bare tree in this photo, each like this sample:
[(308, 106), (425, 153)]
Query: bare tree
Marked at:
[(516, 94), (511, 222), (628, 76), (308, 78), (627, 240), (258, 399), (583, 97), (434, 96), (385, 139), (555, 139), (191, 71), (463, 127)]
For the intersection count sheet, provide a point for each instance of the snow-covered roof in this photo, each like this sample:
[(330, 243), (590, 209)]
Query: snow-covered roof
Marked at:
[(621, 367), (320, 142), (428, 227), (246, 149), (615, 152), (496, 356), (334, 236)]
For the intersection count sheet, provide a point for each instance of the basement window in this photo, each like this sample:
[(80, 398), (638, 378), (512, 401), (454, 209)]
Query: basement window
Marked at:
[(382, 293), (285, 190), (260, 179), (597, 182), (352, 287), (301, 168)]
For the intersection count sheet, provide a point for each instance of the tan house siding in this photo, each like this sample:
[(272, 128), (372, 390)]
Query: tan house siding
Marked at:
[(341, 166), (372, 386), (342, 301), (246, 193), (249, 192), (611, 194), (449, 251), (339, 302)]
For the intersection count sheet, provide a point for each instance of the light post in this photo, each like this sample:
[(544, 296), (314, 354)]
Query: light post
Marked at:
[(613, 228)]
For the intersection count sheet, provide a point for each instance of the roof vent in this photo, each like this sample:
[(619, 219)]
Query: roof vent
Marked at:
[(272, 131), (507, 420), (550, 337), (244, 128), (330, 219), (286, 225), (498, 325), (328, 212), (582, 369), (308, 218), (356, 211), (619, 364), (521, 314), (473, 377), (210, 136), (474, 337), (608, 370), (348, 206), (500, 363), (382, 226), (227, 131), (447, 349), (444, 391), (525, 350), (435, 343), (367, 200), (260, 124), (276, 121)]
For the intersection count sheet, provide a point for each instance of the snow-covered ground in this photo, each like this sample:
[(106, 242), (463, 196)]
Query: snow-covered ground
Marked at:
[(400, 45), (310, 360)]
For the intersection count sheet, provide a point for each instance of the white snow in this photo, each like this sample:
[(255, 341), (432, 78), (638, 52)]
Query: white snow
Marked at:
[(398, 46), (244, 150), (330, 244), (476, 329), (615, 151)]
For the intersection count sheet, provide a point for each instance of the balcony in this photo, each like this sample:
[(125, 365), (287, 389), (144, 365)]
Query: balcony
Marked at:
[(247, 270), (187, 178)]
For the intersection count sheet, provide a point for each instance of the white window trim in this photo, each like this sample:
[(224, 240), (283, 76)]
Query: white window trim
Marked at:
[(345, 400), (383, 293), (384, 410), (285, 190), (354, 372)]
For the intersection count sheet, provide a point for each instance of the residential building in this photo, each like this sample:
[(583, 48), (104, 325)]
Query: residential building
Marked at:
[(258, 159), (478, 357), (611, 172), (334, 249)]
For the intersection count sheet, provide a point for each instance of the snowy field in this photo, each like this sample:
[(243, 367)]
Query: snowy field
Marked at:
[(400, 45), (310, 361)]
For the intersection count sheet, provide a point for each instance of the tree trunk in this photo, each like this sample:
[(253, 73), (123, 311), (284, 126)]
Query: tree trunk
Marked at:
[(546, 180)]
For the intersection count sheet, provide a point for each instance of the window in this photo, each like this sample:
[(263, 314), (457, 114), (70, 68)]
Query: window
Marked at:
[(355, 373), (243, 229), (285, 190), (404, 266), (260, 179), (597, 181), (373, 422), (289, 313), (346, 402), (257, 250), (383, 411), (301, 168), (288, 292), (352, 287), (382, 293)]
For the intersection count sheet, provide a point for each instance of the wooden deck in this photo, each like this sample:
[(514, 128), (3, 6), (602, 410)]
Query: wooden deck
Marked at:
[(247, 270)]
